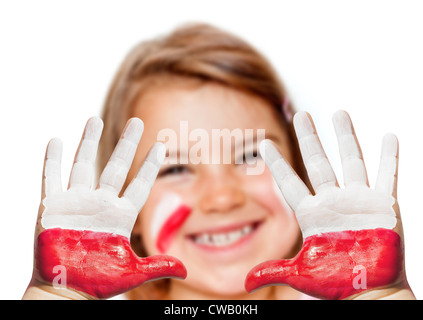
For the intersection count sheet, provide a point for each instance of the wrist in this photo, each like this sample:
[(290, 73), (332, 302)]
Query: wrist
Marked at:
[(46, 292), (391, 293)]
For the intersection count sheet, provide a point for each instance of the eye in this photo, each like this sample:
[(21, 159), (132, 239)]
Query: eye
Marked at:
[(249, 157), (173, 170)]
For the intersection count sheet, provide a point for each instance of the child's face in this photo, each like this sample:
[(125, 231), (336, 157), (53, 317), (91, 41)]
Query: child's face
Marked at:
[(217, 219)]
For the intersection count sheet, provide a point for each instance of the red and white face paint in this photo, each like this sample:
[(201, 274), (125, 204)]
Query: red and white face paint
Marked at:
[(168, 218)]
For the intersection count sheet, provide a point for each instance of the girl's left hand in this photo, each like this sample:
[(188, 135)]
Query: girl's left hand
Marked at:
[(353, 240)]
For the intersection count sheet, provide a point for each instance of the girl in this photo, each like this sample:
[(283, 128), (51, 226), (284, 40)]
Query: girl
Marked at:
[(215, 213)]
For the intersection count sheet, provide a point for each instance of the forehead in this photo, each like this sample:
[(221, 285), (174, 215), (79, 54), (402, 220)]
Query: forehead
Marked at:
[(207, 106)]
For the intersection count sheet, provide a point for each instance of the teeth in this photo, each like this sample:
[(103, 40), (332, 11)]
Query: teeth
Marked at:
[(246, 229), (223, 239)]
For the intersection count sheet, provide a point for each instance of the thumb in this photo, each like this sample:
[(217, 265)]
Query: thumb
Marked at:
[(144, 270), (272, 272), (161, 266)]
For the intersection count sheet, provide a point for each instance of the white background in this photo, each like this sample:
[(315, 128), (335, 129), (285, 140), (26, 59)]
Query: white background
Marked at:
[(57, 59)]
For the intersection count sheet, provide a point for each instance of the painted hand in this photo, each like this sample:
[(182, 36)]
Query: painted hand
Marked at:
[(82, 234), (352, 235)]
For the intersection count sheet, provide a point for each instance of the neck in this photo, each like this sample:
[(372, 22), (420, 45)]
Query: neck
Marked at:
[(179, 291)]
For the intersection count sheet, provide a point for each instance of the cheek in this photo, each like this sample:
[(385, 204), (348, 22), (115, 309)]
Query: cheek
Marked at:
[(167, 216), (264, 190)]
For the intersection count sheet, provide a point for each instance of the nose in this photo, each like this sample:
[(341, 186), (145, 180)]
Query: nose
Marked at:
[(223, 192)]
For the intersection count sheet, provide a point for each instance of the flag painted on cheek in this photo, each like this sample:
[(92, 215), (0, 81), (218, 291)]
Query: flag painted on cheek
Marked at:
[(169, 217)]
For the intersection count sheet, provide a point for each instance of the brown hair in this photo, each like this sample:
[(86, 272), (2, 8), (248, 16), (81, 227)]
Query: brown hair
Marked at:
[(196, 51)]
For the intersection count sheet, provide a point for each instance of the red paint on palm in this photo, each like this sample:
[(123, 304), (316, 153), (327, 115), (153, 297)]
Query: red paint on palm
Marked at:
[(100, 264), (328, 263)]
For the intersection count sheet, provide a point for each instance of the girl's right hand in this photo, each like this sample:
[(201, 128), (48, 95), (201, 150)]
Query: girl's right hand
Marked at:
[(82, 246)]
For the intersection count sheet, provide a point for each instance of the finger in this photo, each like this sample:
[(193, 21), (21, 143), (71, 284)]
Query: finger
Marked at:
[(52, 182), (138, 190), (353, 166), (272, 272), (116, 170), (319, 170), (291, 186), (388, 168), (161, 266), (83, 169)]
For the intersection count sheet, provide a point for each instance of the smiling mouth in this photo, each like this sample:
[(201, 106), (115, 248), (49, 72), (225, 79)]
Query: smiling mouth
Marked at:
[(224, 238)]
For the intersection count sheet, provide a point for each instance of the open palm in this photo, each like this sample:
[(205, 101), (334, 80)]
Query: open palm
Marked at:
[(84, 231), (352, 235)]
